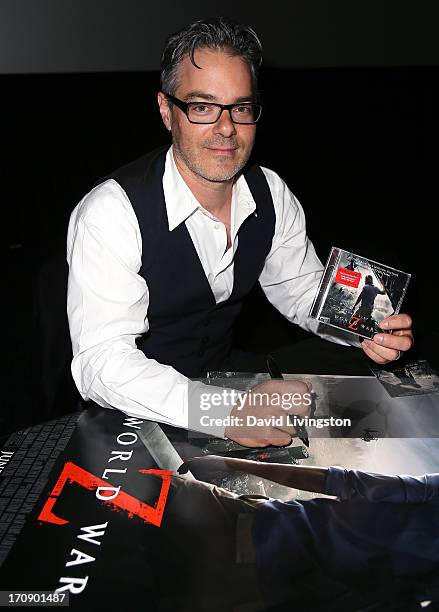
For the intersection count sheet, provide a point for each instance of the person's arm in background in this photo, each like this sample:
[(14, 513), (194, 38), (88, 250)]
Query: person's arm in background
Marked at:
[(107, 308), (373, 487), (306, 478), (291, 277), (335, 481)]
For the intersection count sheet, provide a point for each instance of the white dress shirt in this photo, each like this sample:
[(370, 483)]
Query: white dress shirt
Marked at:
[(108, 299)]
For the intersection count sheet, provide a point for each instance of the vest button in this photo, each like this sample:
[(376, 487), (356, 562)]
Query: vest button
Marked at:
[(200, 353), (205, 340), (207, 322)]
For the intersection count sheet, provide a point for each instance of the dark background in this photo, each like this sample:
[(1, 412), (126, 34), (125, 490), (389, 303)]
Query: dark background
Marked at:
[(350, 121)]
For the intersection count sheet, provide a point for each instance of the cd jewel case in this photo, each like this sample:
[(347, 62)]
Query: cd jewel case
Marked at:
[(356, 293)]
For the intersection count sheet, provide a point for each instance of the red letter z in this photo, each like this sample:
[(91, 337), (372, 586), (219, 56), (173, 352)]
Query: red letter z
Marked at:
[(123, 501), (353, 325)]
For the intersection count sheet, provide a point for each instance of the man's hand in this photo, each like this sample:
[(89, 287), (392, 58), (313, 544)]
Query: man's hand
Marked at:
[(262, 418), (388, 347)]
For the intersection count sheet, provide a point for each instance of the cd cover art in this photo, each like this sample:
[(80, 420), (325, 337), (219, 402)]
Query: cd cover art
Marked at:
[(356, 293)]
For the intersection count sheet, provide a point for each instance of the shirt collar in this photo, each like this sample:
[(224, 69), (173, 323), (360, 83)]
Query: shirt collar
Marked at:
[(181, 202)]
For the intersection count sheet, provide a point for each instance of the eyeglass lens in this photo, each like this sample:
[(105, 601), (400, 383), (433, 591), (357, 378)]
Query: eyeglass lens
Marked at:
[(209, 113)]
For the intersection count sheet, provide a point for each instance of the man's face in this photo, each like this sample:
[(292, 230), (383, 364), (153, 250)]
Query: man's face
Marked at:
[(218, 151)]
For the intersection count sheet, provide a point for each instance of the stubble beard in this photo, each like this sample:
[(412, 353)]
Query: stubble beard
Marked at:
[(194, 161)]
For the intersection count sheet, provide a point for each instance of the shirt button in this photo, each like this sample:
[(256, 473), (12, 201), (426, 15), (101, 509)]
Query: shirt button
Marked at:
[(216, 226)]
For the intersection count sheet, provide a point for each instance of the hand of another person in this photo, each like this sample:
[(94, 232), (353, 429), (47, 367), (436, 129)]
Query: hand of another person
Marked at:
[(205, 465), (384, 348), (263, 417)]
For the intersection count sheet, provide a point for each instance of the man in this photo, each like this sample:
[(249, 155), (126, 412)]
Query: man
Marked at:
[(376, 544), (164, 252), (367, 298)]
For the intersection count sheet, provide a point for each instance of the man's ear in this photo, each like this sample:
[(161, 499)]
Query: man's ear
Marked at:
[(164, 109)]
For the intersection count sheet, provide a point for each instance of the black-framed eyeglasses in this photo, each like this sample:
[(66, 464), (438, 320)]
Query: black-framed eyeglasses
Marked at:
[(210, 112)]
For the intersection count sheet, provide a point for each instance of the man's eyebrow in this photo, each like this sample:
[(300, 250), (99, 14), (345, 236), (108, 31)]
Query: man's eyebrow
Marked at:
[(200, 94), (197, 95), (244, 99)]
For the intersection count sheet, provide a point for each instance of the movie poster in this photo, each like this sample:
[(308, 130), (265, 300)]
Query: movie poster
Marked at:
[(96, 510), (82, 504)]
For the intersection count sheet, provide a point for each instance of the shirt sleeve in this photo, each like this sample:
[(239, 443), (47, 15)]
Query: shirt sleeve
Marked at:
[(371, 487), (107, 306), (292, 271)]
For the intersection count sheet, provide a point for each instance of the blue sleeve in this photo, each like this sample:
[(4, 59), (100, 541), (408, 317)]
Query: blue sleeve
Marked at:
[(370, 487)]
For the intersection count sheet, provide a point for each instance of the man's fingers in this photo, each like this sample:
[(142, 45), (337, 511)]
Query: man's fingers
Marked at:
[(399, 321), (279, 439), (264, 419), (275, 435), (388, 347), (377, 353), (260, 436), (400, 342), (275, 438), (405, 332), (281, 387), (255, 441)]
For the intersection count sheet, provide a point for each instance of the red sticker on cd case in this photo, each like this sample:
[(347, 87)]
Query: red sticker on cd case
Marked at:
[(348, 277)]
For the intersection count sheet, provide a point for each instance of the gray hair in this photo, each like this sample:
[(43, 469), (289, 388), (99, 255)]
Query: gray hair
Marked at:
[(219, 33)]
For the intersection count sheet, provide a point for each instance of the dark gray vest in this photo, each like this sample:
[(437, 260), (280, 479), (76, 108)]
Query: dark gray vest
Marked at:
[(187, 329)]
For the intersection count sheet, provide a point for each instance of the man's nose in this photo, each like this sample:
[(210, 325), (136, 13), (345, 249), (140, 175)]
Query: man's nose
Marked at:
[(225, 125)]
